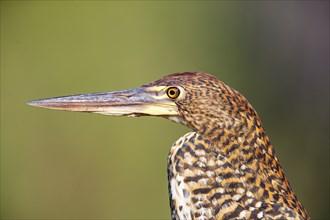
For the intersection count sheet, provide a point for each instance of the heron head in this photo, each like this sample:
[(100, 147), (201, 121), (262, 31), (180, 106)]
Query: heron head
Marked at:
[(196, 99)]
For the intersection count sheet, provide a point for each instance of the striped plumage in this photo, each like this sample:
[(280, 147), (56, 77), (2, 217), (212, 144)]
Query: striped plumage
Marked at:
[(226, 168)]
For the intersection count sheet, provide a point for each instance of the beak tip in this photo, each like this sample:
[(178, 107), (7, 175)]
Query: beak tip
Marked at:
[(35, 103), (31, 103)]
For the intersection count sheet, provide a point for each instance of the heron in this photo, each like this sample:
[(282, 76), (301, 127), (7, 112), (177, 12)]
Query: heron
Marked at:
[(225, 168)]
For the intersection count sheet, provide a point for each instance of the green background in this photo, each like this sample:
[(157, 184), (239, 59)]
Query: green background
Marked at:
[(65, 165)]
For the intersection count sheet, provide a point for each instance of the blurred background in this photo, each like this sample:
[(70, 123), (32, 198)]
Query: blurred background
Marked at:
[(58, 164)]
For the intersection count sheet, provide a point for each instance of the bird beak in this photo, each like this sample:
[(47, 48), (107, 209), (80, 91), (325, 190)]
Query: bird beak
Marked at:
[(132, 102)]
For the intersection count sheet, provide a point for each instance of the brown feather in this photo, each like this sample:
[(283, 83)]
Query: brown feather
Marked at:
[(226, 168)]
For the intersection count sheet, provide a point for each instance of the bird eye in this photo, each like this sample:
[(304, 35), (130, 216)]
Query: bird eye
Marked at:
[(173, 92)]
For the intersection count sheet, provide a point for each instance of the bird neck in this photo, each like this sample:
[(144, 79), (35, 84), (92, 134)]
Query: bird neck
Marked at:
[(242, 140)]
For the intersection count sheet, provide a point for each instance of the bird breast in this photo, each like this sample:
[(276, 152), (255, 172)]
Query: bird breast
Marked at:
[(205, 184), (189, 180)]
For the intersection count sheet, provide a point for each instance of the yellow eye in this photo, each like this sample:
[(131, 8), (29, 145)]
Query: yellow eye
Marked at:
[(173, 92)]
